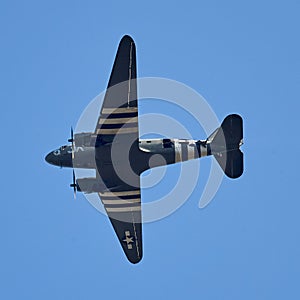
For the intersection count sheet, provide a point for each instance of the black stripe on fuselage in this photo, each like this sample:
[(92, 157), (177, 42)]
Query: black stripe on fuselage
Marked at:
[(198, 144), (208, 149)]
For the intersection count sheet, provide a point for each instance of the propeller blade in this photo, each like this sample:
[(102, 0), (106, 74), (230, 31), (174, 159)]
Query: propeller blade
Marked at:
[(72, 137), (74, 184), (70, 140)]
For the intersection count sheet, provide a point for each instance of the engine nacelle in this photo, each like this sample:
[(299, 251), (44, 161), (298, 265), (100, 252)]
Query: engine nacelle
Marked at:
[(86, 139), (89, 185)]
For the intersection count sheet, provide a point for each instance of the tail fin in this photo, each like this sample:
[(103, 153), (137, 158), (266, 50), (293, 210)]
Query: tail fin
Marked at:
[(225, 143)]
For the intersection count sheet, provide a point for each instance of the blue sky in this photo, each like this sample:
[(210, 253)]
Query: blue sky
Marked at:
[(242, 57)]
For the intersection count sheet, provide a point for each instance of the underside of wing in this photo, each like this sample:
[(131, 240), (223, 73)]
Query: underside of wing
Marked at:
[(124, 211), (118, 157), (119, 110)]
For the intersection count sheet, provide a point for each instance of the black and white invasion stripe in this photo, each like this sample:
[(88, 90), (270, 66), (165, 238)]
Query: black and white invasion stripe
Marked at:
[(118, 121), (125, 201), (190, 149)]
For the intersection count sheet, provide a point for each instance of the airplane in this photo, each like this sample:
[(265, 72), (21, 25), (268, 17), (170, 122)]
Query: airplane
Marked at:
[(119, 157)]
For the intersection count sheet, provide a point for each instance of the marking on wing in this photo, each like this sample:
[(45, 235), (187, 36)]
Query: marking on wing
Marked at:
[(123, 209), (123, 193), (119, 110), (117, 130), (125, 201), (118, 120), (128, 239), (121, 202)]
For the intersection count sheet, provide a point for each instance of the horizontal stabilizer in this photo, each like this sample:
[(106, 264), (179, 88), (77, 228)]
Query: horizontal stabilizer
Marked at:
[(225, 143), (232, 163)]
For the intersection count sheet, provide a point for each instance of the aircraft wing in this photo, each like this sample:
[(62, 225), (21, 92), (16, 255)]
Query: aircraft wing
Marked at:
[(124, 211), (117, 146), (119, 109)]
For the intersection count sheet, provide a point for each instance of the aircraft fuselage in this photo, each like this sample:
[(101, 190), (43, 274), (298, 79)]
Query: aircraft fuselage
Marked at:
[(161, 152)]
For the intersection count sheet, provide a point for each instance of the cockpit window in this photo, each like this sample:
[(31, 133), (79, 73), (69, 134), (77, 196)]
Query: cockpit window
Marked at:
[(63, 147)]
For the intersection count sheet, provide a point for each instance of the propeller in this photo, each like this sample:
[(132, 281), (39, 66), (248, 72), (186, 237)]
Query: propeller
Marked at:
[(74, 184), (71, 140)]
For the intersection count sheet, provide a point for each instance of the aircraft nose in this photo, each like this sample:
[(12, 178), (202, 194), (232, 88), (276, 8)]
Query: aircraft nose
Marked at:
[(52, 159)]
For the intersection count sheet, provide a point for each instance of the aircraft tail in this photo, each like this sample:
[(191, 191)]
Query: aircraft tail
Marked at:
[(225, 145)]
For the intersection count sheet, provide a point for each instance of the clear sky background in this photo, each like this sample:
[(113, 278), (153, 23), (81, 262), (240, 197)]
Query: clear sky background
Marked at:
[(243, 57)]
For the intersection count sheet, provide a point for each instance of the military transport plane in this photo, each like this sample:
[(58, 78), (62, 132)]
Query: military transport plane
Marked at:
[(119, 157)]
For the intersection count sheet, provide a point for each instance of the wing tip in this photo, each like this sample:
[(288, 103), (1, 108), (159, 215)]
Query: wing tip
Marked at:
[(135, 260), (134, 257), (128, 38)]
